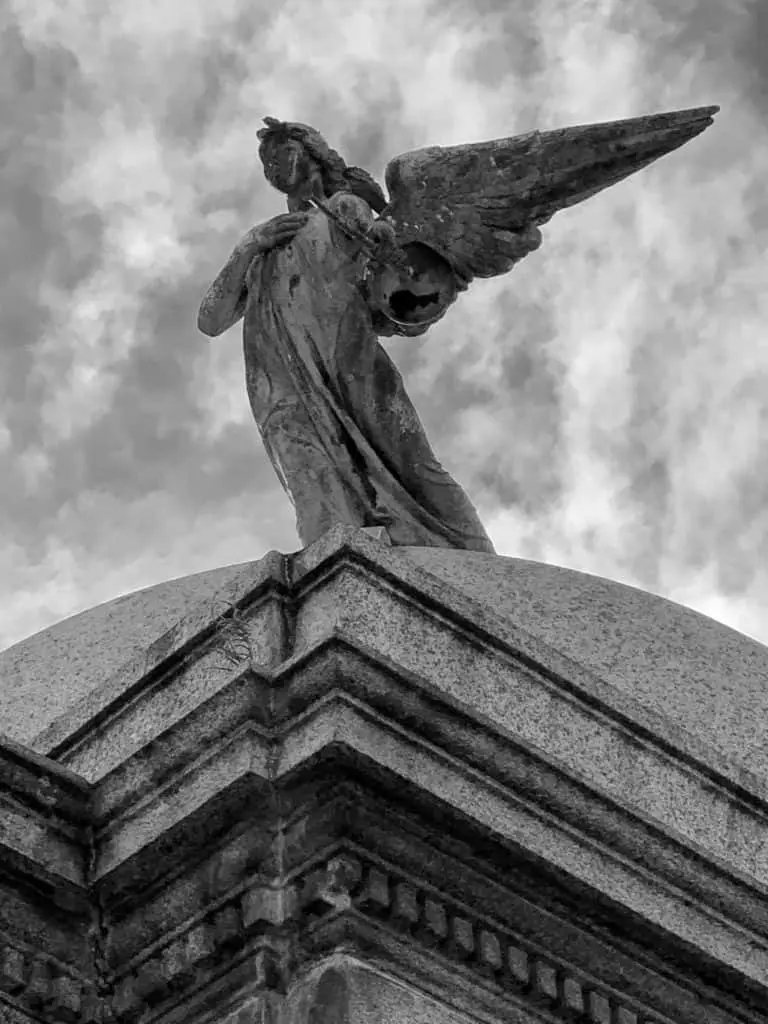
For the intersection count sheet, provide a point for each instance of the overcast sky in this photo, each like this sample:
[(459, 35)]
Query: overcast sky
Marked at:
[(605, 405)]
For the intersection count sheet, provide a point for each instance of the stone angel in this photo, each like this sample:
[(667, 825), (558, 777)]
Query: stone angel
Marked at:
[(318, 285)]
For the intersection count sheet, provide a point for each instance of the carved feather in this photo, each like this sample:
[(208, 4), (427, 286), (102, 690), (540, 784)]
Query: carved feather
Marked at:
[(479, 205)]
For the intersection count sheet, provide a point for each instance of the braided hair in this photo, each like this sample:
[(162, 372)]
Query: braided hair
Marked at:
[(337, 176)]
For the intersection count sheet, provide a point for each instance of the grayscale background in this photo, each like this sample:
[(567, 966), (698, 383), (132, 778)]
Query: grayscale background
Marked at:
[(605, 405)]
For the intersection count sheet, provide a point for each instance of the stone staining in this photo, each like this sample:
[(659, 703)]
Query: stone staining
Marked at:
[(318, 286)]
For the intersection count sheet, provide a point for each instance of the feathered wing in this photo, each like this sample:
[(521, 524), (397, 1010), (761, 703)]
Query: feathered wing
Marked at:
[(480, 205)]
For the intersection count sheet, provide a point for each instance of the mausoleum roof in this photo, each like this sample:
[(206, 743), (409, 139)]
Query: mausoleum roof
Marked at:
[(698, 674)]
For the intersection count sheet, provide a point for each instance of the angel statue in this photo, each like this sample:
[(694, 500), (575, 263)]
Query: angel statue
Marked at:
[(318, 285)]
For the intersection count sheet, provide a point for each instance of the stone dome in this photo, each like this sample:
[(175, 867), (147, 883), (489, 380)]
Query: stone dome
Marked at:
[(699, 675), (45, 674)]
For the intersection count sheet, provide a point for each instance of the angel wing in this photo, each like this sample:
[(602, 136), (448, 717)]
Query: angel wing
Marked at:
[(480, 205)]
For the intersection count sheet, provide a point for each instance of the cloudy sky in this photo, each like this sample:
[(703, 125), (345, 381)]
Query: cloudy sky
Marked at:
[(605, 405)]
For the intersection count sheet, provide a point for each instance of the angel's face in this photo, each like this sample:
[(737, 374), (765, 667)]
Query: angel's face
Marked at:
[(290, 169)]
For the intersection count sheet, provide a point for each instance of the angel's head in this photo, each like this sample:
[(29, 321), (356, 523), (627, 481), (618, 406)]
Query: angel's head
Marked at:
[(299, 162)]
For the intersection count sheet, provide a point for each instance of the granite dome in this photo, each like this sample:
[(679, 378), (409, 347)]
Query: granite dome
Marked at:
[(698, 674)]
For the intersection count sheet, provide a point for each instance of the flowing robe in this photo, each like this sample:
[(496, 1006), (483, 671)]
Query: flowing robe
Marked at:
[(331, 407)]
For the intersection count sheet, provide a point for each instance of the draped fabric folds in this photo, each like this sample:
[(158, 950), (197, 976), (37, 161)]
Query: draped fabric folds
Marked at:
[(331, 407)]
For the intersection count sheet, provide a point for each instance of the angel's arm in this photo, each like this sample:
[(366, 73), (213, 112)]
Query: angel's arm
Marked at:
[(224, 302)]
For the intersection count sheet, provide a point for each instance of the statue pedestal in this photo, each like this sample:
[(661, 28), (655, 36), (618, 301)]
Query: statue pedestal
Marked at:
[(348, 792)]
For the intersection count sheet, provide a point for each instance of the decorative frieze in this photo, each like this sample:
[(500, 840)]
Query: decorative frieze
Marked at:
[(264, 925), (348, 883)]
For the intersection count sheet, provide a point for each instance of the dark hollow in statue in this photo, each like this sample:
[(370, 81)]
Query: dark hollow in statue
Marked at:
[(318, 285)]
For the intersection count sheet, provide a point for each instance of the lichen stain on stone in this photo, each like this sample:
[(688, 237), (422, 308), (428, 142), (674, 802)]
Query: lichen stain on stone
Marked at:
[(164, 644)]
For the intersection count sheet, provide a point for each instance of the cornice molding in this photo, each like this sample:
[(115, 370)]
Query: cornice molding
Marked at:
[(329, 689)]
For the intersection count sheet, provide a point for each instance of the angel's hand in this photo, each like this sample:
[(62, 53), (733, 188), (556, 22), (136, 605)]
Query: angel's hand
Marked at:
[(513, 246), (528, 239), (276, 232), (385, 246), (382, 233)]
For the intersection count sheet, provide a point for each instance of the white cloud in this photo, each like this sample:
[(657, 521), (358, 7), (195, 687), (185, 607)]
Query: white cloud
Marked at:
[(654, 289)]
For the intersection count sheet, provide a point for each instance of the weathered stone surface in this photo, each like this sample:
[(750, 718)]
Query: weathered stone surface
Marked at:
[(705, 680), (343, 991), (479, 204), (335, 420), (66, 661), (449, 810), (679, 674), (44, 809)]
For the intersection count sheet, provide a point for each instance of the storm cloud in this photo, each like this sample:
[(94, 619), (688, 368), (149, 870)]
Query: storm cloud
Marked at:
[(605, 405)]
